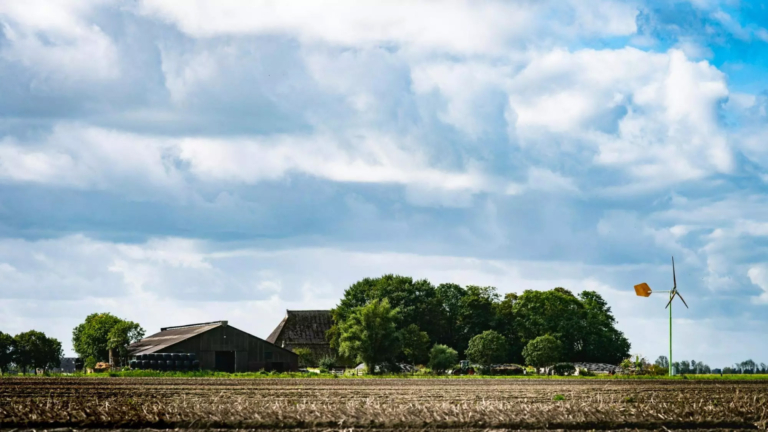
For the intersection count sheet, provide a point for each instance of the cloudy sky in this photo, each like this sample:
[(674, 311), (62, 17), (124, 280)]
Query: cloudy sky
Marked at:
[(177, 162)]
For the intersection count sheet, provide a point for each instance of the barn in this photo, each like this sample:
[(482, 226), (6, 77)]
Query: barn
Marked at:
[(305, 329), (218, 346)]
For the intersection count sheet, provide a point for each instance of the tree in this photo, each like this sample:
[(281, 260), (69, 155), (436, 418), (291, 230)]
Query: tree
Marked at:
[(121, 335), (555, 312), (306, 357), (95, 337), (476, 313), (442, 357), (370, 334), (487, 348), (543, 351), (505, 325), (602, 342), (663, 362), (748, 366), (6, 352), (414, 344), (416, 302), (449, 297), (35, 350)]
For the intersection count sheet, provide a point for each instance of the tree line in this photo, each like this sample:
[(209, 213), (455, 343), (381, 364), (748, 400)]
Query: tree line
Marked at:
[(92, 341), (394, 319), (29, 351)]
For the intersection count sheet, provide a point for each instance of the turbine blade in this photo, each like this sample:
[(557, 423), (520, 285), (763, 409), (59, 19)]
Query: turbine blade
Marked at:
[(672, 297), (674, 278), (681, 298)]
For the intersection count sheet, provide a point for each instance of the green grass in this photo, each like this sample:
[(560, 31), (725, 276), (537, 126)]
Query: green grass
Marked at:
[(309, 375)]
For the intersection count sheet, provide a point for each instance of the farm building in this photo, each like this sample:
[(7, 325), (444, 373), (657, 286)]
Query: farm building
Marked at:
[(304, 329), (218, 346)]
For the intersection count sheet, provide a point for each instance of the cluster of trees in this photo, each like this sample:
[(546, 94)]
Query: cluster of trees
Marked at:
[(693, 367), (746, 367), (394, 319), (27, 351), (684, 367), (102, 333)]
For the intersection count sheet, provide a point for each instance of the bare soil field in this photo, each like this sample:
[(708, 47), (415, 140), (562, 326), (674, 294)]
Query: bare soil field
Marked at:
[(380, 404)]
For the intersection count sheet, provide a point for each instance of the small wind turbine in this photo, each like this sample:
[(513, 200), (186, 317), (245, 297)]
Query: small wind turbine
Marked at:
[(643, 290)]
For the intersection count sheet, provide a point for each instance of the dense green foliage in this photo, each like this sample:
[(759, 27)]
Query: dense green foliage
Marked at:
[(306, 358), (6, 351), (415, 344), (370, 334), (487, 348), (103, 331), (34, 350), (442, 357), (543, 351), (452, 315)]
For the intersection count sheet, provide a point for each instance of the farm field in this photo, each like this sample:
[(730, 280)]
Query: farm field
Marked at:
[(386, 404)]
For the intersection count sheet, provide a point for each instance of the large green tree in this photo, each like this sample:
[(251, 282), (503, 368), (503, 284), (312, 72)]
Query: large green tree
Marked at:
[(414, 344), (543, 351), (121, 335), (556, 312), (603, 343), (101, 332), (370, 335), (584, 325), (476, 313), (6, 351), (416, 302), (449, 297), (487, 348), (34, 350)]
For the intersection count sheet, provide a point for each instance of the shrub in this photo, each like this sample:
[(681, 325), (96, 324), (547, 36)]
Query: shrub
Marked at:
[(586, 372), (306, 358), (558, 397), (327, 363), (90, 362), (542, 351), (442, 357), (564, 369), (487, 348)]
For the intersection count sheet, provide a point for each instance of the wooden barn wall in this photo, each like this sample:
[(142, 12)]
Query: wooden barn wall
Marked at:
[(249, 350)]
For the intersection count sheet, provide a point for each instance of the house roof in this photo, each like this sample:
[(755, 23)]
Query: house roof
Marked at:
[(170, 336), (302, 327)]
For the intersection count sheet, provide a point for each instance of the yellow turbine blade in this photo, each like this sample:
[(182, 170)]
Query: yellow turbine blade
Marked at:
[(643, 290)]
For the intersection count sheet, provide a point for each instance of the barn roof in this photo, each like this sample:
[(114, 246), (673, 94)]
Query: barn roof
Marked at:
[(170, 336), (303, 327)]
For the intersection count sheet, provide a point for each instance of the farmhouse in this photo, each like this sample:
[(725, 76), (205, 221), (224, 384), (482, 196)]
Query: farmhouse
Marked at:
[(218, 346), (304, 329)]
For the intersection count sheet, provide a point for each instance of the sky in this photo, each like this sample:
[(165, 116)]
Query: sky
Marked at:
[(180, 162)]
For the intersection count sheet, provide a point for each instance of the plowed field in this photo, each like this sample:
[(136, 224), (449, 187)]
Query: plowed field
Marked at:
[(120, 403)]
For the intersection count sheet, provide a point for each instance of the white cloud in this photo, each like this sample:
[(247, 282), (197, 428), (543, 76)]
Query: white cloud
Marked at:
[(93, 158), (758, 275), (668, 132), (455, 26), (56, 41), (86, 157)]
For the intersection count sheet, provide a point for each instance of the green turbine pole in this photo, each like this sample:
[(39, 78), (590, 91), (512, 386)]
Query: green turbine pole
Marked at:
[(670, 335)]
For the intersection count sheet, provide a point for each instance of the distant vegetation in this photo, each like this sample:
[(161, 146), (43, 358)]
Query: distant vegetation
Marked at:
[(476, 322), (102, 333), (392, 320), (29, 351)]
